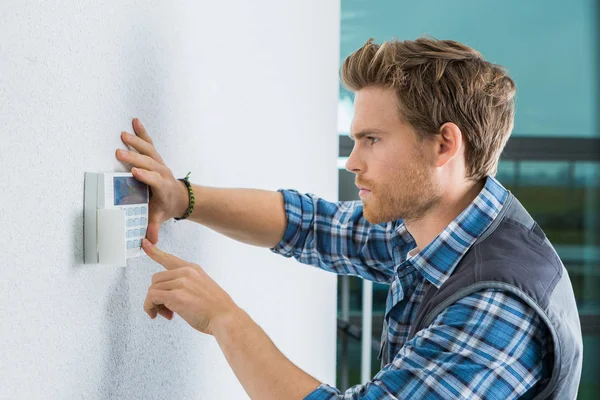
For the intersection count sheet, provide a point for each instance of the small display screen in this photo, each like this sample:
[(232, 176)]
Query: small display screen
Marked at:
[(129, 190)]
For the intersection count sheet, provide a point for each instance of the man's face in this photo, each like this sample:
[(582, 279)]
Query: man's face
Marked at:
[(389, 161)]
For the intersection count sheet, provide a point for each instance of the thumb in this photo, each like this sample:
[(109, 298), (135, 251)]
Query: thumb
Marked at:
[(152, 232)]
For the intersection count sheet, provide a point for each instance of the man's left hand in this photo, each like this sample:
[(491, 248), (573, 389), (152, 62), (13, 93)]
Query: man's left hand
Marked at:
[(186, 289)]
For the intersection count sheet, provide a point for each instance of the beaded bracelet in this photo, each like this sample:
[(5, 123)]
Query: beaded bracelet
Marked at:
[(190, 208)]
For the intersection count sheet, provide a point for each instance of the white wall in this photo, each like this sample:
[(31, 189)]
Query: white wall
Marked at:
[(243, 94)]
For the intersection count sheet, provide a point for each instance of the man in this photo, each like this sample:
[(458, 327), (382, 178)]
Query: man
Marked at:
[(480, 305)]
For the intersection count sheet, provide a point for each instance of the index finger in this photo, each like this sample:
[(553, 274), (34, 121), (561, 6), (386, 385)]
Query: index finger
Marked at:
[(169, 261), (139, 130), (142, 146)]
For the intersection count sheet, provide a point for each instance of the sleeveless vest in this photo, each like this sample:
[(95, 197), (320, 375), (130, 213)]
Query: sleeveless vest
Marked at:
[(514, 255)]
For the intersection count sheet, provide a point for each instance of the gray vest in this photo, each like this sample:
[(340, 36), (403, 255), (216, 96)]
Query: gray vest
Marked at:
[(514, 255)]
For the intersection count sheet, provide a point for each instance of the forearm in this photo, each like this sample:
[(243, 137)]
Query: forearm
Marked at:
[(264, 372), (252, 216)]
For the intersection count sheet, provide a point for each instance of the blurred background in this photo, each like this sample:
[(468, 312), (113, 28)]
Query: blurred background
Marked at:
[(233, 91), (551, 163)]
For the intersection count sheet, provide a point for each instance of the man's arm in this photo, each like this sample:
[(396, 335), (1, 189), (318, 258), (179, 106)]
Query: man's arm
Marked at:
[(487, 345), (253, 216), (185, 289), (264, 372), (333, 236)]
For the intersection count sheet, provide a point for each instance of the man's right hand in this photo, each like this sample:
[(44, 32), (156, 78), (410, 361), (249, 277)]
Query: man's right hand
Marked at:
[(169, 196)]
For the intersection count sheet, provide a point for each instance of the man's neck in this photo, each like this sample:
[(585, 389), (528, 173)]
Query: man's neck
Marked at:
[(427, 228)]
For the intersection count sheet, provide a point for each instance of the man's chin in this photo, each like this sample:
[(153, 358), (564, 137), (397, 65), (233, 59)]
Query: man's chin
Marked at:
[(374, 218)]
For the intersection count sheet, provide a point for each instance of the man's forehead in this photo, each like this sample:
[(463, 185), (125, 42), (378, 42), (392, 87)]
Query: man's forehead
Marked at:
[(375, 106)]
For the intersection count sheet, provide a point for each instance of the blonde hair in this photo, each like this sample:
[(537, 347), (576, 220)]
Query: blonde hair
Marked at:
[(439, 81)]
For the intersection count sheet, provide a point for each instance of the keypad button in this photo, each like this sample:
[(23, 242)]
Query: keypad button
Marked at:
[(143, 232), (129, 222), (138, 243), (130, 244), (129, 212), (144, 221), (137, 232), (129, 234), (138, 211), (144, 209)]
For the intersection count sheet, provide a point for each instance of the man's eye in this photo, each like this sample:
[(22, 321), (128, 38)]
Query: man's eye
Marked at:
[(372, 139)]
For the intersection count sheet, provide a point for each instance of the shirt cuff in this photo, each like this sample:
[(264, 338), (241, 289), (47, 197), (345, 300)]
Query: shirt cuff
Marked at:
[(295, 209), (323, 392)]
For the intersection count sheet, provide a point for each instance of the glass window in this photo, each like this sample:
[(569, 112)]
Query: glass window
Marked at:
[(550, 50)]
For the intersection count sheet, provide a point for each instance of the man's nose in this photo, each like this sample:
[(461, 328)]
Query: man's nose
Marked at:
[(353, 164)]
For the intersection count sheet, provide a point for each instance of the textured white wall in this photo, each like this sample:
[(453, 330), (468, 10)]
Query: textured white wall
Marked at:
[(241, 93)]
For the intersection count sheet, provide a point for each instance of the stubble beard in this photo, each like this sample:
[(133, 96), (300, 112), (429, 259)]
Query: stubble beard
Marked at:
[(408, 196)]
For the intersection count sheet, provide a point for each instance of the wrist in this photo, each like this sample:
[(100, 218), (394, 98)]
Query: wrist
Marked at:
[(224, 323)]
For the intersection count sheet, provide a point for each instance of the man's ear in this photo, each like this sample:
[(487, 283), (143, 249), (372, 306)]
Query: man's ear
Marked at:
[(448, 143)]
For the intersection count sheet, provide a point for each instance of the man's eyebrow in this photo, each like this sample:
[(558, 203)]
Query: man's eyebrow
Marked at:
[(365, 132)]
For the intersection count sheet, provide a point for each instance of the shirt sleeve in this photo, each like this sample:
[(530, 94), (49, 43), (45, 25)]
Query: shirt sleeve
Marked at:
[(337, 238), (488, 345)]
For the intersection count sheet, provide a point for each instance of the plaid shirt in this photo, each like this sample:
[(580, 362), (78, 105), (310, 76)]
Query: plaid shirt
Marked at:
[(488, 345)]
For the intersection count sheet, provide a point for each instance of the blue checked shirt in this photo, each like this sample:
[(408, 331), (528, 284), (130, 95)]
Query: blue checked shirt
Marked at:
[(488, 345)]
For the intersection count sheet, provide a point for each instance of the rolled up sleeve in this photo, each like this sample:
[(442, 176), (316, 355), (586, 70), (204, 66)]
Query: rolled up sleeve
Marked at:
[(337, 238)]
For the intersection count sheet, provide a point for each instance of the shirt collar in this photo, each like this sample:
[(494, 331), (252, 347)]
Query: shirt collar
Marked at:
[(437, 260)]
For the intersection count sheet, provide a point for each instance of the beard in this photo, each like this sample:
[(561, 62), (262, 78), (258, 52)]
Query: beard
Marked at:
[(408, 194)]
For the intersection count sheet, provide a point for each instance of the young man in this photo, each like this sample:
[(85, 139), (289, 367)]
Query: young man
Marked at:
[(480, 305)]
